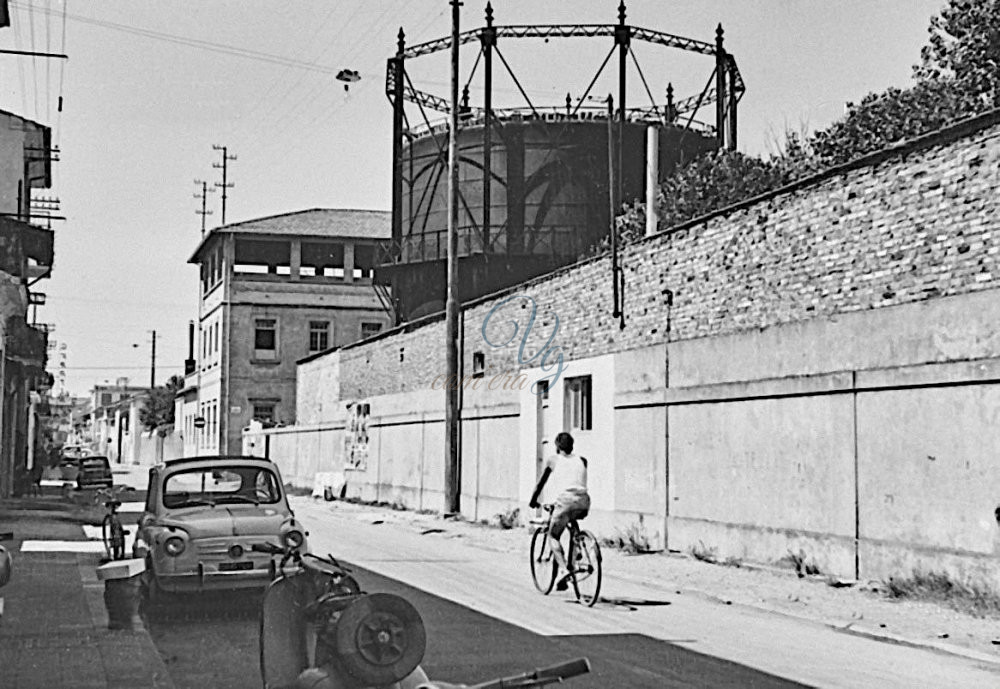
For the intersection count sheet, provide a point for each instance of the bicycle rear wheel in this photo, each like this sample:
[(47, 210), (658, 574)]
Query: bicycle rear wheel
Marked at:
[(543, 564), (107, 536), (117, 539), (585, 563)]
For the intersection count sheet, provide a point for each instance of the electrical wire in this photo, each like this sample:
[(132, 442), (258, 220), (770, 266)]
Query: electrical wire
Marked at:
[(289, 87), (277, 141), (48, 63), (286, 117), (62, 74), (20, 65), (212, 46), (34, 59)]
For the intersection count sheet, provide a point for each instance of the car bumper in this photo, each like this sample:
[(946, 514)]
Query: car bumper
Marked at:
[(210, 579)]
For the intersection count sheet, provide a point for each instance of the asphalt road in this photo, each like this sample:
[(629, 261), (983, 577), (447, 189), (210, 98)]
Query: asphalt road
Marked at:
[(213, 641)]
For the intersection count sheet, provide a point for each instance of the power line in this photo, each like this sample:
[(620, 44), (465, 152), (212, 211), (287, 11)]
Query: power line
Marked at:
[(34, 60), (20, 66), (235, 51), (280, 79), (48, 71)]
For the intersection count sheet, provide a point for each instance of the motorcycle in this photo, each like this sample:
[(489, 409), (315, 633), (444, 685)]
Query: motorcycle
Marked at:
[(319, 630)]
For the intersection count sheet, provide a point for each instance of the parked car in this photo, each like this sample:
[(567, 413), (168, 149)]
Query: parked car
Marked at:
[(94, 472), (202, 517)]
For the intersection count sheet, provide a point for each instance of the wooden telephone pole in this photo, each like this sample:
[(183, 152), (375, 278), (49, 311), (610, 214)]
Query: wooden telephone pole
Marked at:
[(452, 463)]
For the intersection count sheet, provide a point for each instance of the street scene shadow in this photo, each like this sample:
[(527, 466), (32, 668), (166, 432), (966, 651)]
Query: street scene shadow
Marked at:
[(204, 607), (629, 604)]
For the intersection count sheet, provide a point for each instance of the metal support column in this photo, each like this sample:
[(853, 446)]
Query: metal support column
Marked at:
[(622, 34), (488, 39), (732, 107), (397, 67), (720, 88)]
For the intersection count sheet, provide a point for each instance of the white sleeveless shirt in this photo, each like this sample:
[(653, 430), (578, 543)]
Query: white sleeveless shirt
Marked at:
[(569, 475)]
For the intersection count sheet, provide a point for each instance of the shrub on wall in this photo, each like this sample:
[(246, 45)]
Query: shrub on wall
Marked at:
[(958, 77)]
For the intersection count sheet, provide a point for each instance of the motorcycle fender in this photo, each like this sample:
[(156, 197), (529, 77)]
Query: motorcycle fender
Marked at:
[(284, 631)]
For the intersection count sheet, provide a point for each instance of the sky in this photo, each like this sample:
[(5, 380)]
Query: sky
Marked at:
[(151, 86)]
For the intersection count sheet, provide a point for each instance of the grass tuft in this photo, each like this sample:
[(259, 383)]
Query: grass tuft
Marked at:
[(970, 598), (704, 553)]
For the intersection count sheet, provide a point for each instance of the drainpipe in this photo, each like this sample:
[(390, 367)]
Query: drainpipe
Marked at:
[(652, 177)]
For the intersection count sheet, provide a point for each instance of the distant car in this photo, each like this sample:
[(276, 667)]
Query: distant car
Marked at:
[(94, 472), (201, 519)]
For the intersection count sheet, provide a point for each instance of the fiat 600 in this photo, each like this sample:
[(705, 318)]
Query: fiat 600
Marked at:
[(201, 519)]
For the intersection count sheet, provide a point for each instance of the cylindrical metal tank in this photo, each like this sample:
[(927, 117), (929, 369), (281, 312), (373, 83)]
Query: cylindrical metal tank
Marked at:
[(548, 200)]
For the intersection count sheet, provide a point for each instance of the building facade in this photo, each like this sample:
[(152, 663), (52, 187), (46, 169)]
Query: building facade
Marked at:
[(26, 256), (275, 290)]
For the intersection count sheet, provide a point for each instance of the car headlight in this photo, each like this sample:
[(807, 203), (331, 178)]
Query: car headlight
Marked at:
[(174, 546), (293, 539)]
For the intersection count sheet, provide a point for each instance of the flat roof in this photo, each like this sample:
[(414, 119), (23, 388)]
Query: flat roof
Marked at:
[(345, 223)]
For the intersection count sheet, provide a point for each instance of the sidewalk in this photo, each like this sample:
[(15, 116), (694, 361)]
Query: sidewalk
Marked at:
[(856, 610), (54, 631)]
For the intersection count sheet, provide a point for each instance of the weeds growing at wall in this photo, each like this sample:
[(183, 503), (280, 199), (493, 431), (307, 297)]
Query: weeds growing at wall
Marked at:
[(509, 519), (702, 552), (972, 599), (632, 539), (801, 563)]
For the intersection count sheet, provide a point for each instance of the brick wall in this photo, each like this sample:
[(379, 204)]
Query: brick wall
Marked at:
[(911, 223)]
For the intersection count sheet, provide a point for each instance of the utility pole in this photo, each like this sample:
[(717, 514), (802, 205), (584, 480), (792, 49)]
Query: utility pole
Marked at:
[(224, 166), (152, 364), (204, 212), (452, 465)]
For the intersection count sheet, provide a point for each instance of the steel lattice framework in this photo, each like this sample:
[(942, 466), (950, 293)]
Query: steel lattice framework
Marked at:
[(726, 68)]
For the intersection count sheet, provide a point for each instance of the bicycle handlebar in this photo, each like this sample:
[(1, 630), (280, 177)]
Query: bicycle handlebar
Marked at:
[(541, 676), (561, 671), (303, 560)]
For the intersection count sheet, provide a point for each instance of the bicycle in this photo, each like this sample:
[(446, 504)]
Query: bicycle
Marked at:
[(112, 531), (583, 558)]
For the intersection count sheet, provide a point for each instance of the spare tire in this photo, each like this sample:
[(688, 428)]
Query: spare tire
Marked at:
[(380, 638)]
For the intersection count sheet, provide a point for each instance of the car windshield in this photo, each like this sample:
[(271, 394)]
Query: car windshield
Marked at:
[(232, 485), (94, 462)]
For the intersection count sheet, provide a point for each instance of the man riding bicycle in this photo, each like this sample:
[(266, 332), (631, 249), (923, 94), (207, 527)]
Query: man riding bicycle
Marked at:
[(568, 474)]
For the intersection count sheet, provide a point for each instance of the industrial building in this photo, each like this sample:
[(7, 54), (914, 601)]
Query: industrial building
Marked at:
[(274, 290)]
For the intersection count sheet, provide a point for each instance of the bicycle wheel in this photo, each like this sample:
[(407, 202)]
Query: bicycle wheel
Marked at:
[(117, 539), (585, 563), (543, 564), (107, 535)]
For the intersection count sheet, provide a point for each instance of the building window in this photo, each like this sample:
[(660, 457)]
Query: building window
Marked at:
[(319, 335), (265, 338), (105, 399), (478, 364), (264, 412), (370, 330), (577, 415)]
